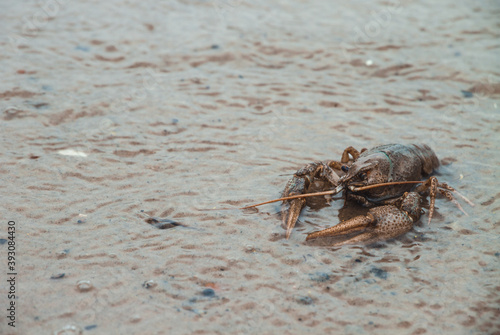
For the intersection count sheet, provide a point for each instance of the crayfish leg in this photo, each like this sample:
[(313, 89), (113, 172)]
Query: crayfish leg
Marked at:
[(350, 151), (430, 184)]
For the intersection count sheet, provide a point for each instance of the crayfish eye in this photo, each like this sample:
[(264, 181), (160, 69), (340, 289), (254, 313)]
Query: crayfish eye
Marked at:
[(362, 175), (345, 168)]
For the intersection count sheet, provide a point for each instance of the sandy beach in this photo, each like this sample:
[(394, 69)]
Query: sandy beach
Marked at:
[(132, 132)]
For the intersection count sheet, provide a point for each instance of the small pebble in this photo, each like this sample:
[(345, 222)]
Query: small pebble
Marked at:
[(319, 277), (208, 292), (135, 318), (84, 285), (382, 274), (58, 276), (149, 284), (82, 48), (304, 300), (90, 327), (63, 253), (69, 330), (467, 94)]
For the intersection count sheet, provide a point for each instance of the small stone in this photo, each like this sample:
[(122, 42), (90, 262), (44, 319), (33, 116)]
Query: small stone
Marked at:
[(304, 300), (149, 284), (319, 277), (382, 274), (82, 48), (90, 327), (208, 292), (69, 330), (467, 94), (63, 253), (135, 318), (84, 285), (58, 276)]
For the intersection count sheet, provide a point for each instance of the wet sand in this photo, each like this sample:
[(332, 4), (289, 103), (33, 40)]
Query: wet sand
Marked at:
[(116, 112)]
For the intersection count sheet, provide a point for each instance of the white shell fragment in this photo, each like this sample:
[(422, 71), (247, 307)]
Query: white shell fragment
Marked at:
[(71, 152)]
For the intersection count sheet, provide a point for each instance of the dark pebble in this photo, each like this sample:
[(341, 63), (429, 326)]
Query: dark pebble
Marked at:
[(58, 276), (467, 94), (41, 105), (382, 274), (161, 223), (90, 327), (215, 46), (82, 48), (149, 284), (357, 260), (208, 292), (304, 300), (175, 121), (80, 221), (319, 277), (2, 241), (240, 76)]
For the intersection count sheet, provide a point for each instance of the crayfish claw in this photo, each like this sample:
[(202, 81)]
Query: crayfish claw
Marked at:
[(347, 227), (300, 183), (290, 209)]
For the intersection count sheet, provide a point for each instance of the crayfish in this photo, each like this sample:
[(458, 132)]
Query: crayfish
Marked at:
[(392, 178)]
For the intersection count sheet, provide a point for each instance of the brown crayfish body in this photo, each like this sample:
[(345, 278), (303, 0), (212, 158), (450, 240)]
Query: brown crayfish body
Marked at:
[(385, 177)]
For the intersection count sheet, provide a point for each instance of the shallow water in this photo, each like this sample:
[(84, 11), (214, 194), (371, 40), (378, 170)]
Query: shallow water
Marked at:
[(115, 112)]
